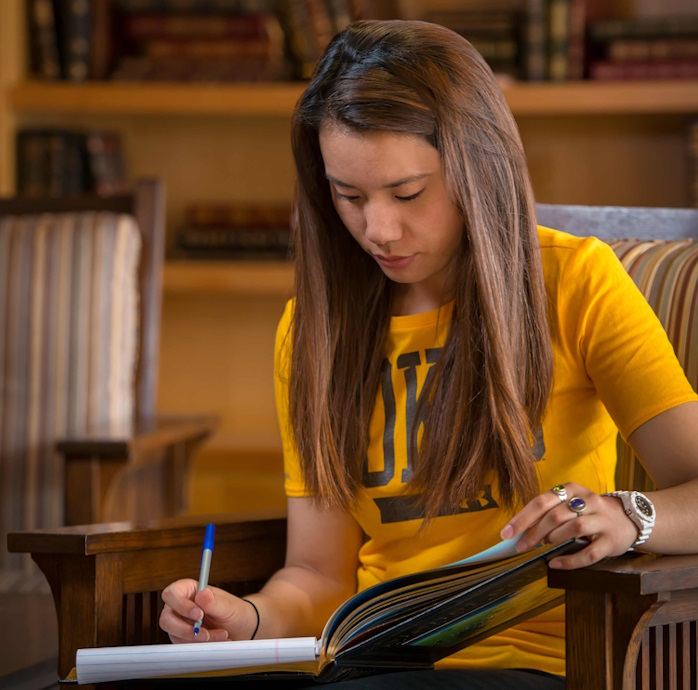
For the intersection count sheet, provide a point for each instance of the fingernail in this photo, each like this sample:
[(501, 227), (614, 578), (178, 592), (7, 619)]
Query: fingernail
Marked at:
[(203, 635), (196, 614), (507, 532), (555, 563)]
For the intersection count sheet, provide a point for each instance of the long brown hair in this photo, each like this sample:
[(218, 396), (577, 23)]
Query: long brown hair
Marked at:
[(494, 374)]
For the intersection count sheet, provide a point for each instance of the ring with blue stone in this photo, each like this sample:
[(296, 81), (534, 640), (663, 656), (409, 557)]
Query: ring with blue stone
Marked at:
[(560, 492), (577, 505)]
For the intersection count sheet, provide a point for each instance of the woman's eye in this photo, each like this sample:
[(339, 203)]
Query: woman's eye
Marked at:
[(410, 197), (345, 197)]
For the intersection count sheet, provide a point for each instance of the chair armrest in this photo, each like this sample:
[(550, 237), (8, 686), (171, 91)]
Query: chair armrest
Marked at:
[(628, 618), (636, 573), (137, 438), (94, 461), (107, 579)]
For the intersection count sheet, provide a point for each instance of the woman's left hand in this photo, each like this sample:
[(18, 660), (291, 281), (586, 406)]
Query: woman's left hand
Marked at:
[(548, 519)]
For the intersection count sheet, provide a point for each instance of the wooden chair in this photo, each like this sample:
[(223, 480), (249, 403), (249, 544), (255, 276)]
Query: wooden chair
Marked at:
[(80, 303), (631, 621)]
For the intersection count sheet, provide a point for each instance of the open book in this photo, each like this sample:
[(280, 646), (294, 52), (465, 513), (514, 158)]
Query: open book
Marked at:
[(409, 622)]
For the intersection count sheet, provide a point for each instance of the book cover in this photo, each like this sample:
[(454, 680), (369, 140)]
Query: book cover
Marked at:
[(411, 621)]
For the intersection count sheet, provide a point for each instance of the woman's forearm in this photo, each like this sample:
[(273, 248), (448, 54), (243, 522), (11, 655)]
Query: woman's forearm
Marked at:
[(297, 601)]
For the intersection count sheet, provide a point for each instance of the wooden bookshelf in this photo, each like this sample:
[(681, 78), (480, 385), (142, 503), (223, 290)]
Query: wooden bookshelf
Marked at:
[(154, 98), (586, 142), (278, 99), (260, 278)]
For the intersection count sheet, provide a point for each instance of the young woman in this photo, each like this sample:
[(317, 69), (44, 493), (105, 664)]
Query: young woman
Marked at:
[(445, 362)]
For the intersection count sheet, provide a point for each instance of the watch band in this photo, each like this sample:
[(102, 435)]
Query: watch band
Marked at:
[(640, 510)]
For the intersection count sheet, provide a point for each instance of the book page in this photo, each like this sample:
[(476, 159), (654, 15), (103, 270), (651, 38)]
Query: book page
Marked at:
[(503, 549), (161, 660)]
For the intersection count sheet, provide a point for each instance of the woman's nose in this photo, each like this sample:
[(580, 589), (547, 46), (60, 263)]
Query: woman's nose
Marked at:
[(383, 225)]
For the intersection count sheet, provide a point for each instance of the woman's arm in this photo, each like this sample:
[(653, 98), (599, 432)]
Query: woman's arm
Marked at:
[(319, 574), (668, 446)]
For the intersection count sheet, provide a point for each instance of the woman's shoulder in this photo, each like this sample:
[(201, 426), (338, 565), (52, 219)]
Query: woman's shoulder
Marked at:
[(551, 239), (561, 250)]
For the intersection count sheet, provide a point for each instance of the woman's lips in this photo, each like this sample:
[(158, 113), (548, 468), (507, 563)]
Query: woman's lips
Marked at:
[(394, 261)]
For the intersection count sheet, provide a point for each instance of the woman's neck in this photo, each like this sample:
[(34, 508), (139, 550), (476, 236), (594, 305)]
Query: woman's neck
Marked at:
[(410, 299)]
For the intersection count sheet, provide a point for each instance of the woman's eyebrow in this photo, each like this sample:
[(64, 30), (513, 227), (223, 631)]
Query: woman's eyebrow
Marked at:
[(389, 185)]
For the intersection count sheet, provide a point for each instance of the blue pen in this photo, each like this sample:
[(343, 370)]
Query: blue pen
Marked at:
[(205, 567)]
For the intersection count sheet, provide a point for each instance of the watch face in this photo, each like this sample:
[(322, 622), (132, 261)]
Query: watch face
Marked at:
[(644, 506)]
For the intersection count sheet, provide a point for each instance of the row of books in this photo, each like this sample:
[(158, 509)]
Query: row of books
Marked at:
[(644, 48), (60, 162), (221, 40), (234, 231), (560, 40), (203, 40)]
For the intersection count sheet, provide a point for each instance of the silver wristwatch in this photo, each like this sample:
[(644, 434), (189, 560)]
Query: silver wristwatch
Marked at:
[(640, 510)]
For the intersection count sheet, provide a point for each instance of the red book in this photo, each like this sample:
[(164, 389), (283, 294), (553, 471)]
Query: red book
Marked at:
[(144, 27), (649, 69)]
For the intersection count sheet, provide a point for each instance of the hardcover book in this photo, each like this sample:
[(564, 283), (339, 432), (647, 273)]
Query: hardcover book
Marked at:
[(408, 622)]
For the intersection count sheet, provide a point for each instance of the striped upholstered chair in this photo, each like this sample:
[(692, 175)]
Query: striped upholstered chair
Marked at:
[(631, 621), (634, 623), (80, 295)]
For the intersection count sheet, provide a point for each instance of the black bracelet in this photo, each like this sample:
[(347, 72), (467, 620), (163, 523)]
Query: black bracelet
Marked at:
[(256, 610)]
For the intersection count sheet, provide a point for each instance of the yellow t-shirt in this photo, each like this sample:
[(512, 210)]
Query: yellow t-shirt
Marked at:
[(614, 370)]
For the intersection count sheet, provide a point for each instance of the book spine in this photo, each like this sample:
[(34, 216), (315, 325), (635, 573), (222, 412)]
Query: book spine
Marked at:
[(145, 27), (301, 37), (102, 39), (558, 39), (76, 38), (31, 166), (673, 26), (340, 13), (226, 241), (43, 44), (577, 39), (188, 6), (652, 49), (256, 49), (107, 175), (61, 172), (536, 40), (657, 69), (498, 35), (239, 215), (320, 23)]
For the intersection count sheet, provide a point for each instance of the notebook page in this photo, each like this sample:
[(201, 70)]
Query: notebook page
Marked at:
[(149, 661)]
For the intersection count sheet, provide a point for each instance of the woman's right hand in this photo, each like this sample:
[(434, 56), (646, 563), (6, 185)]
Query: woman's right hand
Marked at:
[(226, 617)]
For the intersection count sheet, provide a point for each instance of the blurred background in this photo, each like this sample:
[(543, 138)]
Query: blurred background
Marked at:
[(95, 94)]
